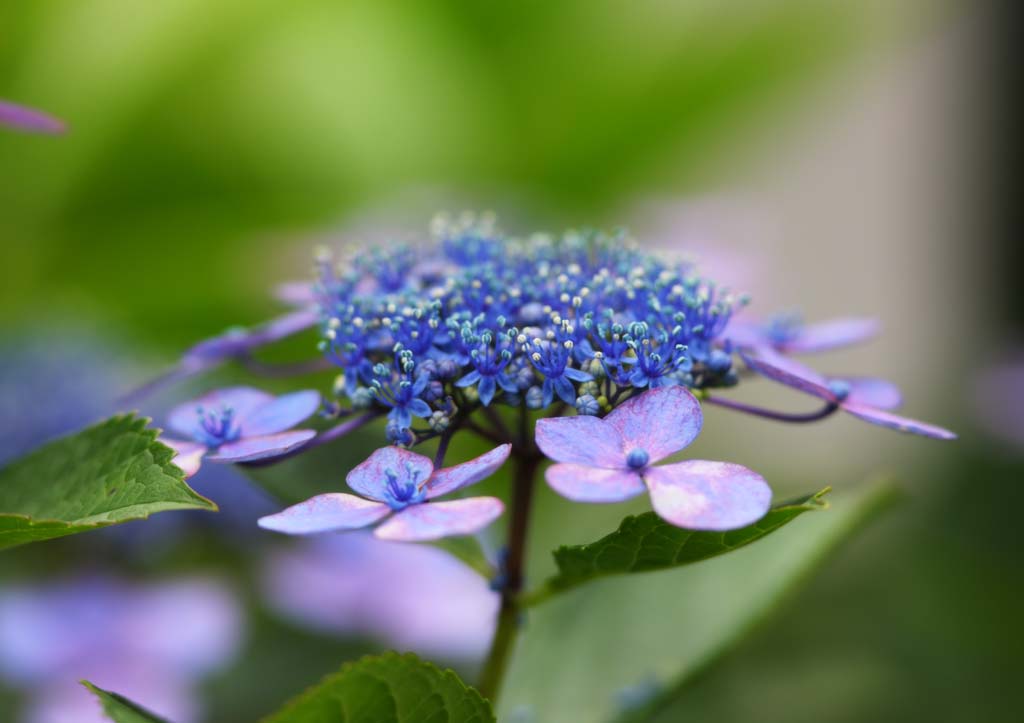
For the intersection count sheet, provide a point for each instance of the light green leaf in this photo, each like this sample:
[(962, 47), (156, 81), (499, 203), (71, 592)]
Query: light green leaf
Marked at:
[(112, 472), (625, 643), (121, 710), (646, 542), (388, 688)]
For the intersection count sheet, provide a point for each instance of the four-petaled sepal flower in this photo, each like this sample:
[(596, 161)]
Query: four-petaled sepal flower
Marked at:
[(401, 484), (611, 459), (863, 397), (239, 424)]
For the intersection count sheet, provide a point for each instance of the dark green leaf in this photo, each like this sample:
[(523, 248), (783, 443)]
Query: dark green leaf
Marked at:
[(646, 542), (631, 642), (389, 688), (121, 710), (112, 472)]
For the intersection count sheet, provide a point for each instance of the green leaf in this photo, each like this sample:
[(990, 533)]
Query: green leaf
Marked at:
[(646, 542), (626, 643), (468, 550), (112, 472), (121, 710), (388, 688)]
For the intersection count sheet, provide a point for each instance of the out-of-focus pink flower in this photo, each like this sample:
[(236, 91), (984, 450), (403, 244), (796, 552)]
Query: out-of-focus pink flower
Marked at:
[(411, 597), (151, 643), (23, 118)]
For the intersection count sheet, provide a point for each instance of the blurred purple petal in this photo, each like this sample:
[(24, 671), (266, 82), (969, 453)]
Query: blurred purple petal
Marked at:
[(184, 418), (701, 495), (251, 449), (325, 513), (24, 118), (872, 392), (295, 293), (411, 597), (163, 692), (582, 440), (370, 477), (434, 520), (660, 421), (281, 413), (240, 340), (997, 399), (591, 484), (893, 421), (789, 376), (188, 456), (832, 334), (462, 475)]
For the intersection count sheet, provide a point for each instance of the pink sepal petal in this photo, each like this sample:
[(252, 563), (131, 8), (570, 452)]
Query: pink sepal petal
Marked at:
[(894, 421), (24, 118), (188, 456), (251, 449), (873, 392), (462, 475), (785, 372), (434, 520), (660, 421), (370, 477), (581, 440), (581, 483), (325, 513), (832, 334), (280, 413), (702, 495)]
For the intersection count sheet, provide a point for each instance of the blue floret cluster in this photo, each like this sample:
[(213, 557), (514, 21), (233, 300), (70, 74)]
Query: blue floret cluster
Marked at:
[(472, 317)]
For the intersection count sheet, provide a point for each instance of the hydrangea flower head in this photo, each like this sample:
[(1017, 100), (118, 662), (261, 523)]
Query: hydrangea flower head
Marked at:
[(400, 485), (240, 424), (613, 459)]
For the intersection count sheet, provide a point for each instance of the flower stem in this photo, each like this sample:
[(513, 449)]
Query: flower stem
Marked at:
[(526, 461), (825, 411)]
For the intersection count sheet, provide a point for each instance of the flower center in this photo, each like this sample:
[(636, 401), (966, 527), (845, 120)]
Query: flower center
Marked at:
[(637, 459), (400, 493), (840, 388), (217, 427)]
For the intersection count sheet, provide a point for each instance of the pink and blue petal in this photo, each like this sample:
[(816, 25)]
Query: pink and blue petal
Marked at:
[(581, 483), (785, 372), (872, 392), (468, 473), (659, 421), (435, 520), (833, 334), (581, 440), (252, 449), (326, 513), (701, 495), (893, 421), (280, 413), (370, 477)]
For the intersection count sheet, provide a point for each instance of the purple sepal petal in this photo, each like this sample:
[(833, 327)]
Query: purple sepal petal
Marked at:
[(325, 513), (266, 446), (893, 421), (832, 334), (24, 118), (582, 440), (434, 520), (789, 376), (872, 392), (279, 414), (188, 456), (295, 293), (243, 400), (702, 495), (235, 342), (660, 421), (370, 477), (468, 473), (580, 483)]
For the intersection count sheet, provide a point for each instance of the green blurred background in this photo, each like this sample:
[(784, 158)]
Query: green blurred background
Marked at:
[(841, 146)]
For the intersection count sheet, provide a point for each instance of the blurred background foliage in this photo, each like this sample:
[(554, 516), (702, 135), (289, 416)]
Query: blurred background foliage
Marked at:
[(212, 145)]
